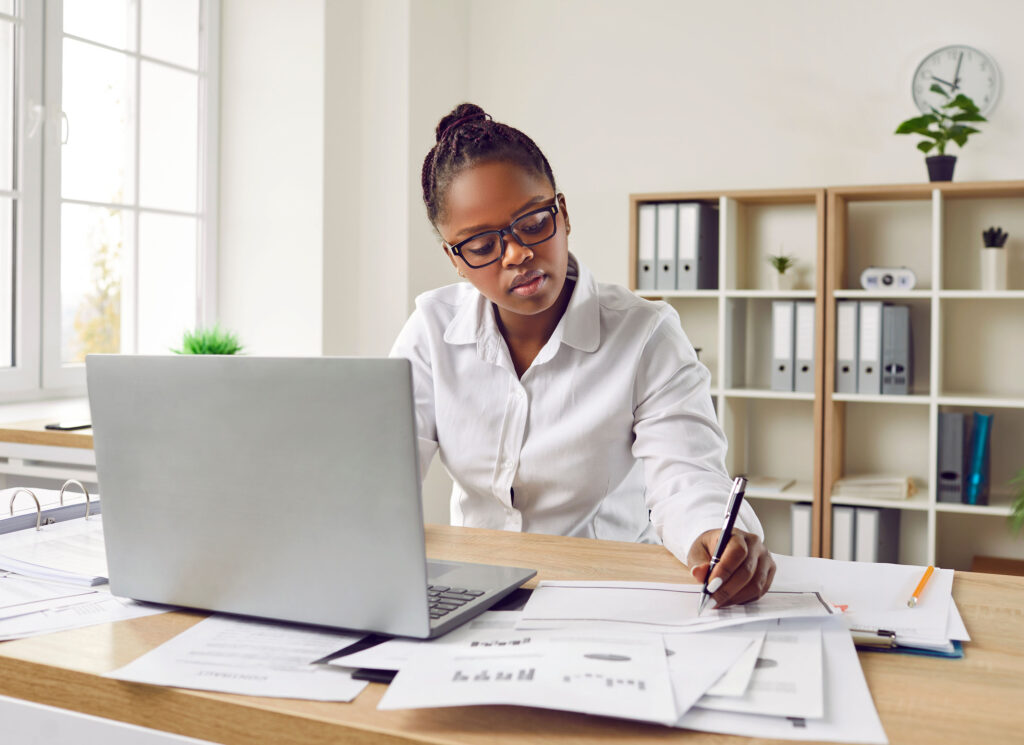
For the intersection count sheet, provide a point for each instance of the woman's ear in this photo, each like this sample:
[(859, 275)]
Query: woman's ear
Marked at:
[(565, 212)]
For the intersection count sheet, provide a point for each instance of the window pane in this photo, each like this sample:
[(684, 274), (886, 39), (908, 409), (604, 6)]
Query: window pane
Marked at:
[(110, 22), (97, 97), (169, 138), (167, 281), (7, 71), (91, 249), (6, 283), (7, 6), (170, 31)]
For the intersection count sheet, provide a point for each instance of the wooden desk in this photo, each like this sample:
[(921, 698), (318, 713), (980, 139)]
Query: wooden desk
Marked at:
[(27, 448), (920, 699)]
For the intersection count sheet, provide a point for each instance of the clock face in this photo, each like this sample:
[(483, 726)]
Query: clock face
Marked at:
[(956, 69)]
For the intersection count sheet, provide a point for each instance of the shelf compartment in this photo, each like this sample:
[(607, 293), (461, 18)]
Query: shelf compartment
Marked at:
[(960, 537), (889, 234), (1005, 461), (963, 221), (748, 327), (980, 349), (883, 439), (756, 230), (770, 438)]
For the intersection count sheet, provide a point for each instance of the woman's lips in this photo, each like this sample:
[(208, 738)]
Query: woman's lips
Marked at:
[(528, 284)]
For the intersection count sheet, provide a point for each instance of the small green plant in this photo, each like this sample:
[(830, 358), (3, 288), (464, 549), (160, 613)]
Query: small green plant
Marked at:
[(781, 262), (944, 124), (212, 340), (1017, 508), (994, 237)]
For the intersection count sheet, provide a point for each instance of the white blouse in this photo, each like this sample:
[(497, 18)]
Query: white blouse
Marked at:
[(609, 434)]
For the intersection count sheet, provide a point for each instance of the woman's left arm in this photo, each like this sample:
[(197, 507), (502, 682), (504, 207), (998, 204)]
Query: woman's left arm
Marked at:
[(682, 447)]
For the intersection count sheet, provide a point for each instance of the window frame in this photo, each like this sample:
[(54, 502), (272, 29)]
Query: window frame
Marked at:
[(53, 377)]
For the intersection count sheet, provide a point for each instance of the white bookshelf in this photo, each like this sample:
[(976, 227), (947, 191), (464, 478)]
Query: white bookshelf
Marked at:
[(771, 433), (965, 358)]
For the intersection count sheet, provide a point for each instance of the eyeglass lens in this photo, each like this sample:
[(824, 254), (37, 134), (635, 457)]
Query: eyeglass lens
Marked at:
[(530, 229)]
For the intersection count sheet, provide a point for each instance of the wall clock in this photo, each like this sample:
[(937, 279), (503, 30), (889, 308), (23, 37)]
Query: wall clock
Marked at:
[(957, 69)]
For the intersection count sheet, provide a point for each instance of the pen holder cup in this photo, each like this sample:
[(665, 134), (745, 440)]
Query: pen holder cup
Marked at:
[(993, 269)]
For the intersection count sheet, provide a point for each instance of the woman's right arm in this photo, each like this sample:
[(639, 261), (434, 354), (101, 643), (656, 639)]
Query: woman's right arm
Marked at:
[(413, 344)]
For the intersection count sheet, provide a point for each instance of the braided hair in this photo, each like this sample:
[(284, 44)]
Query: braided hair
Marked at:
[(466, 137)]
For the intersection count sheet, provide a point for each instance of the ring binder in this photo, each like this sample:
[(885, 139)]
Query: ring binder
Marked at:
[(39, 507), (80, 485)]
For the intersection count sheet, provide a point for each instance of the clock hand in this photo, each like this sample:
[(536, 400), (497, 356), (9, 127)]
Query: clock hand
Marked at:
[(945, 82), (956, 75)]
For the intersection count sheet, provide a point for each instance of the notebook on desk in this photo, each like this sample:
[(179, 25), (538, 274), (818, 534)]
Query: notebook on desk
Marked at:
[(284, 488)]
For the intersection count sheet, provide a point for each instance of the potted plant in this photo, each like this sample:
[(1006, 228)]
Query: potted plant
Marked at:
[(211, 340), (943, 125), (1017, 508), (993, 259), (783, 278)]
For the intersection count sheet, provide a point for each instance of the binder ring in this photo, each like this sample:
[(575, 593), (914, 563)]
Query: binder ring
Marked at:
[(39, 509), (80, 485)]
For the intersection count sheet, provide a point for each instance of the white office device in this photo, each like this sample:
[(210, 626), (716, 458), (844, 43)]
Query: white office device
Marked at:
[(280, 488)]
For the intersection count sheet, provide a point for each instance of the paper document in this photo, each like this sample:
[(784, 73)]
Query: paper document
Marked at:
[(20, 595), (612, 675), (737, 677), (102, 607), (788, 679), (696, 661), (875, 595), (654, 607), (70, 551), (247, 656), (849, 712), (393, 653)]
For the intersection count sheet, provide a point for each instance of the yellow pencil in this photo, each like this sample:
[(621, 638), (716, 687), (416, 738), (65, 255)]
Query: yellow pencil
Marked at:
[(920, 587)]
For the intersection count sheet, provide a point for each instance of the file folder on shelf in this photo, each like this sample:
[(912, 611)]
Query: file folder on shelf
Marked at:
[(897, 350), (843, 532), (803, 365), (952, 464), (869, 373), (800, 529), (697, 265), (877, 535), (976, 486), (782, 345), (667, 250), (647, 240), (846, 346)]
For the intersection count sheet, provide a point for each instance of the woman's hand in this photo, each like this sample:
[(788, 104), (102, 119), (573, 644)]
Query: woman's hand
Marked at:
[(745, 572)]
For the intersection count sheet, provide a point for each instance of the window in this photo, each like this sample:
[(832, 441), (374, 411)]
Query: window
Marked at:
[(122, 134)]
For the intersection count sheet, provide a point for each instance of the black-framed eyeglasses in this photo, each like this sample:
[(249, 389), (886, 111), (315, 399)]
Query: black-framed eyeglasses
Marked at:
[(529, 230)]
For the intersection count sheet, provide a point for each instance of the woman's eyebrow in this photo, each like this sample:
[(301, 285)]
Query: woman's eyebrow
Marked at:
[(474, 229)]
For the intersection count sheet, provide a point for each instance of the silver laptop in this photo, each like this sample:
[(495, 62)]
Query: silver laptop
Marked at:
[(286, 488)]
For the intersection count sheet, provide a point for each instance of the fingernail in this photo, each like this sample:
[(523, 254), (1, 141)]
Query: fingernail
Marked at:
[(714, 584), (693, 572)]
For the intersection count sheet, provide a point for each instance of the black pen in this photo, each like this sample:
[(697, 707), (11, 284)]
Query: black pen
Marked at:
[(732, 509)]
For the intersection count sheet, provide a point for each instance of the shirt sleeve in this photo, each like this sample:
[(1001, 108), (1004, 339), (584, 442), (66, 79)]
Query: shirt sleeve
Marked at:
[(413, 344), (679, 441)]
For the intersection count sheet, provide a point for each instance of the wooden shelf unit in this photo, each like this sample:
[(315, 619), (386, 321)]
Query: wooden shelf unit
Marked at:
[(752, 225), (933, 228)]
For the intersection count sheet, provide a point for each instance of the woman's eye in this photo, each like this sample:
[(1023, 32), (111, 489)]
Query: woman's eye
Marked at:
[(481, 247)]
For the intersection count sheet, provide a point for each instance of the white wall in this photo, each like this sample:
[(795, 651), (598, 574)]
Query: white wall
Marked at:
[(656, 95), (270, 258)]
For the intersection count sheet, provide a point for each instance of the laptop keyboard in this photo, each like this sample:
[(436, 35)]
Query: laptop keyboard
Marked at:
[(443, 600)]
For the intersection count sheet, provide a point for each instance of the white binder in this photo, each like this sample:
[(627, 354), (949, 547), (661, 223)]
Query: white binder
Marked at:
[(846, 346), (800, 529), (869, 369), (803, 366), (877, 535), (782, 345), (697, 267), (843, 532), (646, 241), (667, 246)]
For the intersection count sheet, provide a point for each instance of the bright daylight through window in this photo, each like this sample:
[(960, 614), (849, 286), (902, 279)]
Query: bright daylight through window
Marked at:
[(123, 117)]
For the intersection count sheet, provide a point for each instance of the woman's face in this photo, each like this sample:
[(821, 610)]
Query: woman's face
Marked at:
[(489, 196)]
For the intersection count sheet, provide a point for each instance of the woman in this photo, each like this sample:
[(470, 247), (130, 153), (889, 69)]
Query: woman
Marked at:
[(560, 405)]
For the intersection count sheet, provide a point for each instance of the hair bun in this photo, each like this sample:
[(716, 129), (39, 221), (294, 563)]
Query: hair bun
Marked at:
[(464, 112)]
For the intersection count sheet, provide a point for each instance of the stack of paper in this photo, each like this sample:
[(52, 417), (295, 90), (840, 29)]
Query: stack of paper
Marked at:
[(71, 551), (875, 487)]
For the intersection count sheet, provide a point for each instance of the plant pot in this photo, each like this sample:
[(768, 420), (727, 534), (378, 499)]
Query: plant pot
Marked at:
[(993, 268), (940, 167), (783, 282)]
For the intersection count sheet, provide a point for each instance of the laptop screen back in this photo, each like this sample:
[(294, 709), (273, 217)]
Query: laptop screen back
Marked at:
[(286, 488)]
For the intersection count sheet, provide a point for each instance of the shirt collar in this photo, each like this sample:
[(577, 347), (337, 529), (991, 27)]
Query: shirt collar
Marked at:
[(580, 327)]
